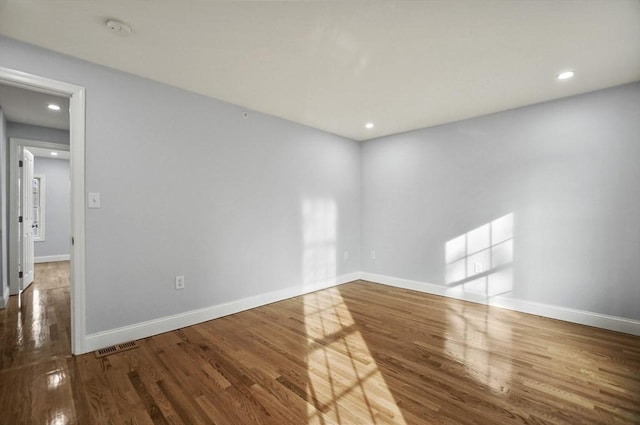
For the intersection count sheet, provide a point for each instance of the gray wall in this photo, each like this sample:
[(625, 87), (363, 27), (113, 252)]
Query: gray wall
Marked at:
[(4, 224), (57, 207), (34, 132), (190, 187), (568, 171), (244, 206)]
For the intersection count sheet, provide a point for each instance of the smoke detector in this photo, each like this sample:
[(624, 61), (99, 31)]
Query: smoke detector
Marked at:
[(118, 27)]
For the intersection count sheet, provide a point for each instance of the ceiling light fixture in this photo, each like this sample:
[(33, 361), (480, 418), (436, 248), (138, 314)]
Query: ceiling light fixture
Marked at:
[(118, 27), (54, 153), (369, 125), (565, 75), (53, 107)]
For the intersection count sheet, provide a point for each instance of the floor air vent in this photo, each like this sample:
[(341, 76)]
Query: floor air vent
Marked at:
[(107, 351)]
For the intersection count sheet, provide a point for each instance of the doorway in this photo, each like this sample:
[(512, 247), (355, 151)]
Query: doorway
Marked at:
[(76, 96), (25, 190)]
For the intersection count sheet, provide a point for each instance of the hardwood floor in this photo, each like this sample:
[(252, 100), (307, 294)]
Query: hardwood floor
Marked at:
[(40, 329), (360, 353)]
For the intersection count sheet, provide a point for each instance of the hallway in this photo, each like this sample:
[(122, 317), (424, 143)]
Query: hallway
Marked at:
[(35, 348)]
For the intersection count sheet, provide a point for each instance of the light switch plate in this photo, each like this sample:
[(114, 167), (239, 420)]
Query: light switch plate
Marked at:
[(94, 200)]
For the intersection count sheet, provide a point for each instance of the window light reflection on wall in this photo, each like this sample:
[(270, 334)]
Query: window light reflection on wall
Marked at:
[(479, 261)]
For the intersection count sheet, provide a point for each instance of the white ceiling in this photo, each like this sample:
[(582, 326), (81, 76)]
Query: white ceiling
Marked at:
[(30, 107), (336, 65), (46, 153)]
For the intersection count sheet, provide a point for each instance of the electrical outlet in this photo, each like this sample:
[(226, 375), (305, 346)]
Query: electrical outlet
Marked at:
[(94, 200), (179, 282), (477, 267), (346, 255), (372, 254)]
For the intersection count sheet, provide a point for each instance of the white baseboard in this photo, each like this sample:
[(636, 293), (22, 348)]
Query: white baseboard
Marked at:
[(614, 323), (169, 323), (52, 258), (149, 328)]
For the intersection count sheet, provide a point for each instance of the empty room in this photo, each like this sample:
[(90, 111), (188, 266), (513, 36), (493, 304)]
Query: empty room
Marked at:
[(320, 212)]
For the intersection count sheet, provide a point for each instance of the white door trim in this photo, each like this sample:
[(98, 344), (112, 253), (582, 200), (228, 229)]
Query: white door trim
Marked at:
[(77, 173)]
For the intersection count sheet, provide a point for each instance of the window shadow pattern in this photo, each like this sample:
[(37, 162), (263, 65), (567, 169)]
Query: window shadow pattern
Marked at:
[(479, 262), (344, 383)]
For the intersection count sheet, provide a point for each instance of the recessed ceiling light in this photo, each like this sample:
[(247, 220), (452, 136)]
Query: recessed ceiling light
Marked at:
[(565, 75), (369, 125), (53, 107), (54, 153)]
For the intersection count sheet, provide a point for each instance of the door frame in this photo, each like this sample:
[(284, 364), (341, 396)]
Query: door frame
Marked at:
[(76, 96), (15, 146)]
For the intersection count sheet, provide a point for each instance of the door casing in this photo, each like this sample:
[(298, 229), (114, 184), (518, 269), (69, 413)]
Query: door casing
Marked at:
[(76, 96)]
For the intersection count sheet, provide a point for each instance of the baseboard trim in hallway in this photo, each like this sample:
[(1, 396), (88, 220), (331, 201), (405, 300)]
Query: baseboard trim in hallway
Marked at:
[(52, 258)]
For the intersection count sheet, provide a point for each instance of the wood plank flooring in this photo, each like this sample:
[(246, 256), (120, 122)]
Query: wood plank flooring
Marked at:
[(361, 353)]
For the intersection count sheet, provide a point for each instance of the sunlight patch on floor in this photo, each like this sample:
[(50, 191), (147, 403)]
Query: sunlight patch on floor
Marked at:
[(482, 346), (344, 380)]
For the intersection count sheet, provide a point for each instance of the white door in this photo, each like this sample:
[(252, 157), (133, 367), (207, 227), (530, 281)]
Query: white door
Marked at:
[(26, 212)]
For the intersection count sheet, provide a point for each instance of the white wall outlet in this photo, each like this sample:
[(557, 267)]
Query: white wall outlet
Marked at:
[(94, 200), (346, 255), (179, 282), (372, 254), (477, 267)]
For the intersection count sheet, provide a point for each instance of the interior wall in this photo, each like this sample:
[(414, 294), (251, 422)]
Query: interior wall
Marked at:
[(243, 206), (57, 207), (4, 224), (567, 171), (189, 186), (34, 132)]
